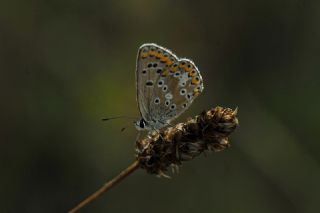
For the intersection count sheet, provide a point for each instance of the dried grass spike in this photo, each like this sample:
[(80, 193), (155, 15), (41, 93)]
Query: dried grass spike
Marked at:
[(159, 151), (185, 141)]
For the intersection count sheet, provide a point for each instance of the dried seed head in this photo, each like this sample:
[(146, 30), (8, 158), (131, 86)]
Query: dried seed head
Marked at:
[(185, 141)]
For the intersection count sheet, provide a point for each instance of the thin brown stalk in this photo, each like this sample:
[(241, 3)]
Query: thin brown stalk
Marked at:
[(106, 187)]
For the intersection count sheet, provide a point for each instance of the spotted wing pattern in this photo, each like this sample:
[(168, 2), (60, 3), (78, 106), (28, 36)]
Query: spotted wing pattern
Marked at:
[(166, 85)]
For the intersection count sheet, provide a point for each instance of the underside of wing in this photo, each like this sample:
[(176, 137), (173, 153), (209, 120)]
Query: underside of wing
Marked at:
[(152, 60), (166, 85), (184, 86)]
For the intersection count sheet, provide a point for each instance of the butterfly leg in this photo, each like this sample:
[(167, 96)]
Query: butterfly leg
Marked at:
[(158, 133), (166, 123), (138, 136)]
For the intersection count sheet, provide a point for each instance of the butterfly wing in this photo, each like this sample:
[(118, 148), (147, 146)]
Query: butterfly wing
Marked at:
[(166, 85), (184, 85), (149, 68)]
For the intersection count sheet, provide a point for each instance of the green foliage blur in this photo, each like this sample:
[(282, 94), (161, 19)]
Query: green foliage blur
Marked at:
[(65, 64)]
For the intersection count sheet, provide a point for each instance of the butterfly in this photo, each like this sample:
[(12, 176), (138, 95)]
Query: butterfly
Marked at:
[(166, 86)]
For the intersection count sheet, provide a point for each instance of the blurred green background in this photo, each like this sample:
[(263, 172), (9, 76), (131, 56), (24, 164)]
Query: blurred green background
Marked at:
[(66, 64)]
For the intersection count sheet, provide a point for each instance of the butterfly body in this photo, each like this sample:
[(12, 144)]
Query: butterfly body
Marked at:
[(142, 124), (166, 86)]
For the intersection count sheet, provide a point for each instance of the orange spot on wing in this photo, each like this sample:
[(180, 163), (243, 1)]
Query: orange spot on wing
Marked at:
[(188, 69), (159, 55), (164, 59), (165, 73), (169, 62), (196, 93), (182, 66), (144, 55), (152, 53), (174, 69), (195, 80), (192, 73)]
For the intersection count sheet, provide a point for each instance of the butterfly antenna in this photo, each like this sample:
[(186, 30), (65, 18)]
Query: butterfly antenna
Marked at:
[(122, 116), (117, 117)]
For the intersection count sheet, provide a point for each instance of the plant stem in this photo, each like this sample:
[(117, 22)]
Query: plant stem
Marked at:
[(106, 186)]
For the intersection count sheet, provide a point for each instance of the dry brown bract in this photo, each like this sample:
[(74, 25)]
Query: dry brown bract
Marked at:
[(184, 141)]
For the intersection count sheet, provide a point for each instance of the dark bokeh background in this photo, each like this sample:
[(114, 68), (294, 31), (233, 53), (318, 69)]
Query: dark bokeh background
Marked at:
[(66, 64)]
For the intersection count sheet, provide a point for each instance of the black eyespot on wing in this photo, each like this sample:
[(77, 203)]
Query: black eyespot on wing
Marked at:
[(183, 91), (149, 65), (155, 65), (173, 106), (149, 83), (164, 88), (144, 71), (160, 82), (157, 100), (189, 96), (159, 70)]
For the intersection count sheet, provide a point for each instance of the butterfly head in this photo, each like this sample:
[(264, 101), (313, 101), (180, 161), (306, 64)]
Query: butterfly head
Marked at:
[(141, 124)]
